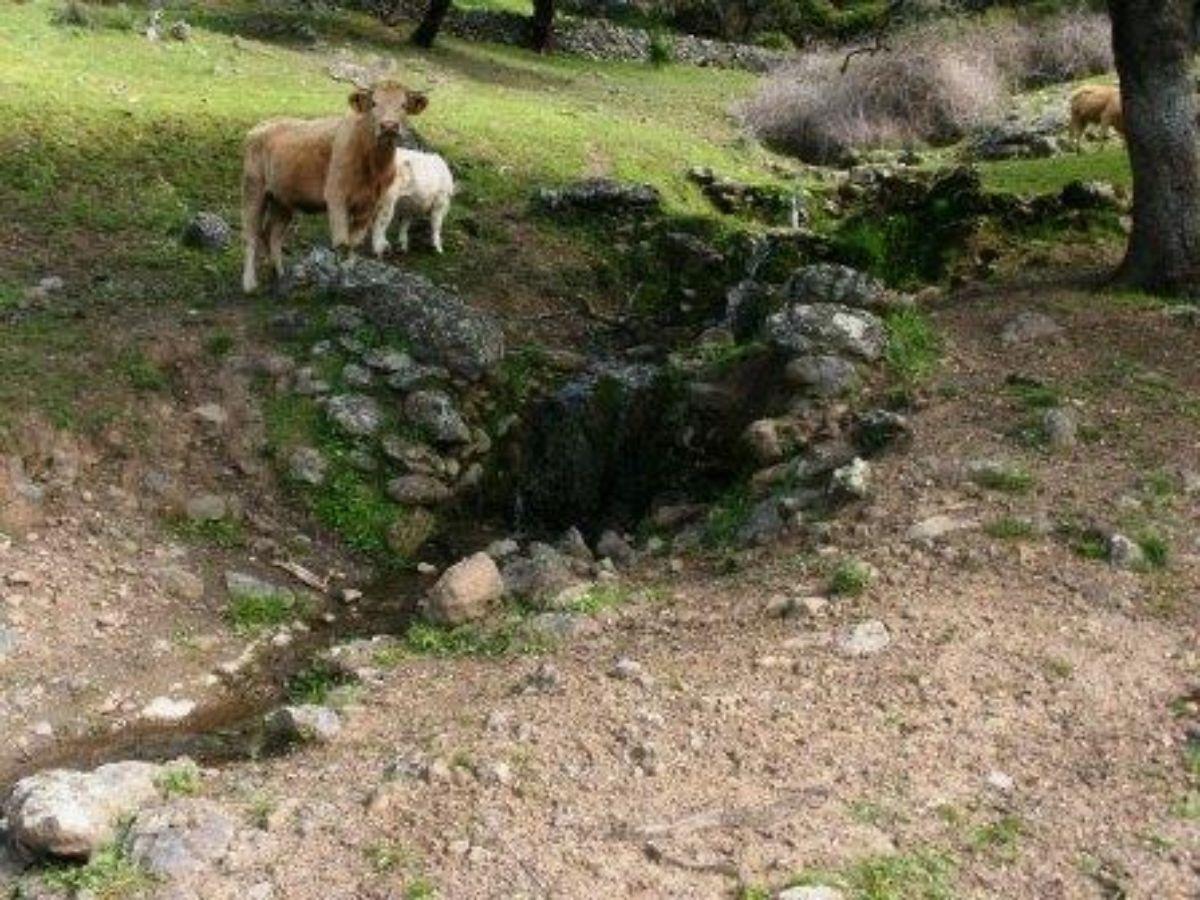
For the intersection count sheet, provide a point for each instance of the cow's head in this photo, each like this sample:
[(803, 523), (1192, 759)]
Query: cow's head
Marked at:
[(388, 104)]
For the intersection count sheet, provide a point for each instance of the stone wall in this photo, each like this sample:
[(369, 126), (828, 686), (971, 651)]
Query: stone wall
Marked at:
[(598, 39)]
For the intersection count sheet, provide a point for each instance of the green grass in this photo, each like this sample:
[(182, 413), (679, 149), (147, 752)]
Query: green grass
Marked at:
[(914, 347), (1034, 394), (315, 684), (1009, 528), (728, 515), (108, 875), (490, 640), (227, 533), (180, 780), (253, 613), (601, 597), (999, 838), (141, 373), (850, 578), (919, 875), (1154, 548), (1006, 478), (1039, 176)]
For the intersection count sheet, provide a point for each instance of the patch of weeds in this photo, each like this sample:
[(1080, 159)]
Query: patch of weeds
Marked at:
[(1154, 548), (601, 597), (315, 684), (720, 356), (999, 838), (1160, 485), (226, 533), (850, 578), (662, 49), (141, 372), (754, 892), (914, 347), (252, 613), (1058, 668), (1009, 528), (180, 780), (1191, 758), (1187, 807), (868, 812), (420, 888), (921, 875), (262, 807), (1033, 394), (425, 639), (219, 345), (1005, 478), (727, 517), (387, 856), (354, 508), (109, 875)]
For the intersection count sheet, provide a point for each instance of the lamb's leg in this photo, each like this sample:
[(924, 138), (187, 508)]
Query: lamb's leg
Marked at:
[(405, 224), (436, 218)]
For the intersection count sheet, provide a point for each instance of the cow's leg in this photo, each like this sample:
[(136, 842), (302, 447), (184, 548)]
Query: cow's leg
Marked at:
[(254, 201), (280, 220)]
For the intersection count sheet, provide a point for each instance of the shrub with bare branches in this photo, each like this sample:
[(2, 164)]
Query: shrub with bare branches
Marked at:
[(932, 86)]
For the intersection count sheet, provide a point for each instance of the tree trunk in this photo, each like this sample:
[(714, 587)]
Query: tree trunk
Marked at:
[(543, 25), (1152, 42), (428, 30)]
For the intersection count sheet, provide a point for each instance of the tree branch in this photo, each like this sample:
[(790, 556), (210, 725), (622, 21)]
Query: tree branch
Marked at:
[(878, 37)]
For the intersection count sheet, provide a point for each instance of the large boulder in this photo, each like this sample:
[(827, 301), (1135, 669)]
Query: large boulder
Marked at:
[(63, 812), (465, 591), (439, 327), (826, 328)]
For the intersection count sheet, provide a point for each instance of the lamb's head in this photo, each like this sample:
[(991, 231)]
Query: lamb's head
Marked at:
[(387, 105)]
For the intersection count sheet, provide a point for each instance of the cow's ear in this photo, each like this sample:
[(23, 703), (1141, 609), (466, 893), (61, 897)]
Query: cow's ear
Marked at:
[(360, 100), (416, 103)]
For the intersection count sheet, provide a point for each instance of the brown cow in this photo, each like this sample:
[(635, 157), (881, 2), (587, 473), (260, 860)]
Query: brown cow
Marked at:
[(343, 165), (1096, 104)]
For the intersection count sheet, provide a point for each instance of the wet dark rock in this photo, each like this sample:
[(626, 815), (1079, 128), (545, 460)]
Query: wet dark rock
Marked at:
[(747, 305), (1089, 195)]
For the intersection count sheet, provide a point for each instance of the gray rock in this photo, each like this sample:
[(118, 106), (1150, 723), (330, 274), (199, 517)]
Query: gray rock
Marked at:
[(308, 466), (927, 531), (357, 376), (601, 195), (763, 526), (465, 592), (412, 456), (180, 31), (207, 508), (1012, 140), (1124, 553), (826, 328), (180, 838), (616, 548), (211, 414), (853, 480), (572, 543), (180, 582), (1061, 427), (556, 626), (68, 813), (435, 413), (308, 384), (1029, 327), (344, 318), (825, 376), (434, 322), (168, 709), (418, 490), (747, 305), (502, 549), (356, 414), (1090, 195), (306, 724), (765, 442), (209, 232), (833, 283), (389, 361), (864, 639), (539, 577)]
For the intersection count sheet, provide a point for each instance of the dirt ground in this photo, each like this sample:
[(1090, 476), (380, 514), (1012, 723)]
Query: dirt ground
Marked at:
[(1021, 736)]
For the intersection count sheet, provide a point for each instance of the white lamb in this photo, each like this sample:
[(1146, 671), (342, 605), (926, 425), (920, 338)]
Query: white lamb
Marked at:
[(423, 186)]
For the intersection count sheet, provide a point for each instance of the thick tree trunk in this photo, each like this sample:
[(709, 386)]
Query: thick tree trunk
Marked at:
[(1152, 41), (543, 25), (427, 31)]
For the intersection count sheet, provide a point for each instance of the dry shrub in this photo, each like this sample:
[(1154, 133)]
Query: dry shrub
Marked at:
[(935, 84)]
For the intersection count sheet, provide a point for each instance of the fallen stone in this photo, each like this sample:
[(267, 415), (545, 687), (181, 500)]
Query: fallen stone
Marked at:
[(356, 414), (419, 490), (465, 591), (308, 466), (937, 527), (1061, 427), (811, 892), (306, 724), (1125, 553), (864, 639), (1029, 327), (207, 231), (826, 329), (168, 709), (207, 508), (612, 546), (825, 376), (852, 481), (62, 812)]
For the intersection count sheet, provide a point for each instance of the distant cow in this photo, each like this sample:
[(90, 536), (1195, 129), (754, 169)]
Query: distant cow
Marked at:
[(423, 187), (1096, 104), (344, 165)]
